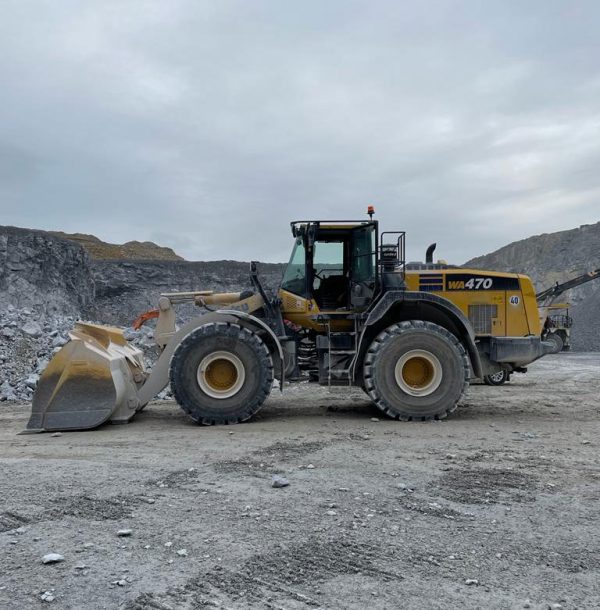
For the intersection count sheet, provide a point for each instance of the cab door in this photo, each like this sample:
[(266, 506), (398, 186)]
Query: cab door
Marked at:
[(363, 266)]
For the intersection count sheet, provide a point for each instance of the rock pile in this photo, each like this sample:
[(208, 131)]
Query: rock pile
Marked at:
[(28, 342)]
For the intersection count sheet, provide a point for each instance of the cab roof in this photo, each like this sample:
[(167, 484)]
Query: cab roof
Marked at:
[(331, 224)]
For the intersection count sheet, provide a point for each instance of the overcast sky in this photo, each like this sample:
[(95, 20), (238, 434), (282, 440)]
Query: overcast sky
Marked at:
[(208, 126)]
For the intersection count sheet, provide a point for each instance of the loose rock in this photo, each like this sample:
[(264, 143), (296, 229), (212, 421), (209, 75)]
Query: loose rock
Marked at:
[(32, 329), (279, 481), (31, 381), (124, 533), (52, 558)]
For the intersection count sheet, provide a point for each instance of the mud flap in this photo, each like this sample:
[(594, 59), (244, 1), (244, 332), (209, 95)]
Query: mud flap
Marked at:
[(93, 379)]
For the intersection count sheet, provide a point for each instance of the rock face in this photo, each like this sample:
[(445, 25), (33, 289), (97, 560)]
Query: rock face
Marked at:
[(557, 257), (124, 289), (44, 273), (51, 276), (548, 257)]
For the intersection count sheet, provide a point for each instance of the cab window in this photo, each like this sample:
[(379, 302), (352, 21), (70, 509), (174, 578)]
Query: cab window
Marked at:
[(328, 258), (330, 285), (294, 277), (363, 255)]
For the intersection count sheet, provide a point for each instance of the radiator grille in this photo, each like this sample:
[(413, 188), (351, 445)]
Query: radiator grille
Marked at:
[(481, 318)]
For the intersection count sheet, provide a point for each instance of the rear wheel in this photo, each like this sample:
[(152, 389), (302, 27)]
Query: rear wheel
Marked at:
[(221, 373), (499, 378), (557, 342), (416, 370)]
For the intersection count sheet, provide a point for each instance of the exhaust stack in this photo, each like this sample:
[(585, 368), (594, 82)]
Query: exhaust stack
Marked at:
[(429, 253)]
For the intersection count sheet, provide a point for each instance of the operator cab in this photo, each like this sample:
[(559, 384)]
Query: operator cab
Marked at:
[(335, 263)]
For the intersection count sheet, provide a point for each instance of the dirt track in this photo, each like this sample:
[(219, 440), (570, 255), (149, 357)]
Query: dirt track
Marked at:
[(504, 493)]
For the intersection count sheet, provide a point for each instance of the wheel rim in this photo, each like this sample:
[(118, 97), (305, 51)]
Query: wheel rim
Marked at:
[(221, 374), (497, 377), (418, 372)]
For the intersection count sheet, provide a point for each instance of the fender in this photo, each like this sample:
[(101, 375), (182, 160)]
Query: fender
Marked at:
[(159, 376), (394, 297), (273, 340)]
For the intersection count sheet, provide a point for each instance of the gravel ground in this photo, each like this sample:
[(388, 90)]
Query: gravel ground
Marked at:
[(497, 507)]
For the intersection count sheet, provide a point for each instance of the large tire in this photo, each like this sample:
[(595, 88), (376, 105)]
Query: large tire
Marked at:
[(557, 342), (221, 373), (416, 370), (499, 378)]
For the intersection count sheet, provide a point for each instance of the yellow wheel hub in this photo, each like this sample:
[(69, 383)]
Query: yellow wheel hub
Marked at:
[(221, 374), (417, 372)]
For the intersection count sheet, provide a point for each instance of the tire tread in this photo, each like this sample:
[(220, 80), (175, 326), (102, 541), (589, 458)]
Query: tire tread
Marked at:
[(234, 331), (370, 362)]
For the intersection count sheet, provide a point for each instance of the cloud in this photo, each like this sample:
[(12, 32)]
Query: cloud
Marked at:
[(212, 125)]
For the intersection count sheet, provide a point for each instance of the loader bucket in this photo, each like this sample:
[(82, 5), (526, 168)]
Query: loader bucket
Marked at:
[(92, 379)]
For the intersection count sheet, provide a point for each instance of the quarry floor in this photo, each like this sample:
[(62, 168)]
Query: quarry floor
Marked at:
[(497, 507)]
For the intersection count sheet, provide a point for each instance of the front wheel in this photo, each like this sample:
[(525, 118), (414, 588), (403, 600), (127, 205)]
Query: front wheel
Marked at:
[(416, 370), (221, 373), (499, 378)]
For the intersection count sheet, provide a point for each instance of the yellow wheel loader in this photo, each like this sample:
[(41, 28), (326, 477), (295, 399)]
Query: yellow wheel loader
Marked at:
[(347, 313)]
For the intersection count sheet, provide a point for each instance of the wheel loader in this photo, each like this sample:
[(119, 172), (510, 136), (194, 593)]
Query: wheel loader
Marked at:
[(347, 313)]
